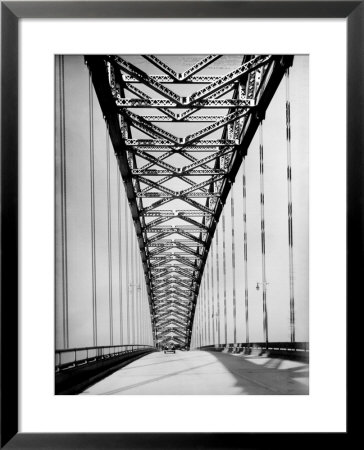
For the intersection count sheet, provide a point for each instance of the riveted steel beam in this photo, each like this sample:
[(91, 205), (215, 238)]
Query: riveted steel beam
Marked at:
[(174, 268), (194, 79), (195, 119), (167, 143)]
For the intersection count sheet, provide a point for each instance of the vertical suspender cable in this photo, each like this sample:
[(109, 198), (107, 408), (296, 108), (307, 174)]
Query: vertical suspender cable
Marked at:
[(141, 299), (204, 311), (195, 326), (206, 318), (127, 289), (120, 256), (212, 295), (200, 311), (224, 274), (147, 316), (137, 299), (195, 322), (132, 312), (138, 313), (262, 232), (136, 321), (233, 261), (290, 223), (92, 193), (217, 287), (139, 305), (208, 303), (141, 302), (131, 287), (200, 325), (109, 249), (144, 309), (141, 322), (145, 303), (246, 292), (63, 203), (136, 293), (135, 290), (195, 331), (203, 308), (198, 331)]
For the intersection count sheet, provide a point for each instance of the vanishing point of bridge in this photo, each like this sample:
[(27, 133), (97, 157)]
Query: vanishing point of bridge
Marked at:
[(165, 235)]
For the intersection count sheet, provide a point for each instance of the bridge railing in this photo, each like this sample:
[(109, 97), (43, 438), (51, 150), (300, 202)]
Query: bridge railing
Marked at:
[(75, 357), (294, 347)]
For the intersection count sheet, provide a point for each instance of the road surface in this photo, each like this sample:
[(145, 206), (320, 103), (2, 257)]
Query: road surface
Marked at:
[(201, 372)]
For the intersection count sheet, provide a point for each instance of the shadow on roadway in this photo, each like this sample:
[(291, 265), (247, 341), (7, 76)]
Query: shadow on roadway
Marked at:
[(207, 373)]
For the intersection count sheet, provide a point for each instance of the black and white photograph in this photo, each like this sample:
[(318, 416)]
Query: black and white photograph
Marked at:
[(181, 224)]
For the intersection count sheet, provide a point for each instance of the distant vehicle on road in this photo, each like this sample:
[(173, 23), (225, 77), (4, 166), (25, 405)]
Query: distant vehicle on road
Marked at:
[(169, 348)]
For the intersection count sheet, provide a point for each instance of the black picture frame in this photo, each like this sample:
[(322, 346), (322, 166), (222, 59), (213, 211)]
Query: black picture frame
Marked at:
[(11, 13)]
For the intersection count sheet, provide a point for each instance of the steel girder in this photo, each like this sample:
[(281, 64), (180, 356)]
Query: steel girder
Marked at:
[(150, 158)]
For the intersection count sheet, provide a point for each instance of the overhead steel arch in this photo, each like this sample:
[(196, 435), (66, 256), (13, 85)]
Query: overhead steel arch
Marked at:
[(177, 185)]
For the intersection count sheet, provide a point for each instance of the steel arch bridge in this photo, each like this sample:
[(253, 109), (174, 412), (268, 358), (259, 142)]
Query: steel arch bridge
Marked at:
[(177, 185)]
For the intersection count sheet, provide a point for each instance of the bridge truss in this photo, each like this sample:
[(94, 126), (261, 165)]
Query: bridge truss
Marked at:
[(177, 185)]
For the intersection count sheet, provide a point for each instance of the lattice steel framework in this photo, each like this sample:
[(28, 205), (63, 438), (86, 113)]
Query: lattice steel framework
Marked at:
[(162, 171)]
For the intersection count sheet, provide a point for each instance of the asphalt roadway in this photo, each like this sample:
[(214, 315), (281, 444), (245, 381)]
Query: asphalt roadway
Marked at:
[(205, 373)]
